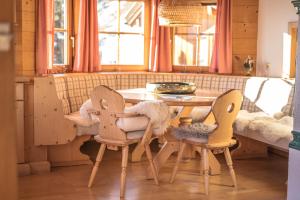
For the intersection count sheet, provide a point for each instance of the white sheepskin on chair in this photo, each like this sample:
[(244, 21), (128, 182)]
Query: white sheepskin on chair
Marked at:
[(244, 118), (272, 129), (157, 111)]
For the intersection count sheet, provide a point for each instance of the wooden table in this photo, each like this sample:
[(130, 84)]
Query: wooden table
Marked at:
[(200, 98)]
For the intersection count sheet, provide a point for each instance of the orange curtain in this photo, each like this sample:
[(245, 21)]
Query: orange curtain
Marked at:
[(45, 34), (87, 44), (222, 52), (160, 43)]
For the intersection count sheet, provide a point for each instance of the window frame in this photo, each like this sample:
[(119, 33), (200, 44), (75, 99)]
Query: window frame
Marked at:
[(67, 67), (144, 67)]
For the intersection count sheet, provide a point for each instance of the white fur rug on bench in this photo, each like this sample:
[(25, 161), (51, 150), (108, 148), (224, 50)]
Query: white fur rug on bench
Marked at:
[(270, 128)]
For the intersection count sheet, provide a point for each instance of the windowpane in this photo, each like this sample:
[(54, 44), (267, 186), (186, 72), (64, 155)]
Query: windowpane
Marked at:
[(192, 46), (132, 16), (60, 39), (59, 13), (185, 50), (204, 51), (131, 49), (108, 15), (108, 48)]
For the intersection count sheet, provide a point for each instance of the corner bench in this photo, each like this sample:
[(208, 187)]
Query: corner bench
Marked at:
[(58, 96)]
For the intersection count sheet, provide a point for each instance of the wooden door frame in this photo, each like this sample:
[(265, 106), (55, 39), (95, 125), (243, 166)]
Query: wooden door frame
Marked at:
[(8, 166)]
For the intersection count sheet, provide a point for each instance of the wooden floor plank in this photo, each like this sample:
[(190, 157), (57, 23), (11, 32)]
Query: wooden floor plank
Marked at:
[(258, 179)]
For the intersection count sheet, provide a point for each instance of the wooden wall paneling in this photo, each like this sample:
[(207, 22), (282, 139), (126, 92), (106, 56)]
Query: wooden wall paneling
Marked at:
[(20, 122), (244, 33), (28, 5), (244, 46), (245, 13), (8, 155), (244, 30), (25, 33), (245, 2)]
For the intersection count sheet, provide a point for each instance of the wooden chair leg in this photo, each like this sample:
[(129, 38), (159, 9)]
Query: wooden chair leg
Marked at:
[(150, 158), (206, 169), (123, 173), (199, 150), (179, 157), (230, 166), (96, 165)]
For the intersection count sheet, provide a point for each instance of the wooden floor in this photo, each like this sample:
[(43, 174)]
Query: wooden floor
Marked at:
[(258, 179)]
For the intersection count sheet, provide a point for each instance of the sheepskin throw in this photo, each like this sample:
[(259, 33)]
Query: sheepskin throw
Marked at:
[(244, 117), (272, 129), (195, 130), (157, 111)]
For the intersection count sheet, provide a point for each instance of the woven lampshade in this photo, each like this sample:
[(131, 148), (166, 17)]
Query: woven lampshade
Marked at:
[(180, 12)]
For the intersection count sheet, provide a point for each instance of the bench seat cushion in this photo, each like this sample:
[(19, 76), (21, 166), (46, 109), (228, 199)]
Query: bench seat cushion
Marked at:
[(260, 126), (84, 126)]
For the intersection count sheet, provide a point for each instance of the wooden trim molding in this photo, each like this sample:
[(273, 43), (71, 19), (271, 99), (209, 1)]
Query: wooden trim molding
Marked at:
[(295, 144), (296, 3)]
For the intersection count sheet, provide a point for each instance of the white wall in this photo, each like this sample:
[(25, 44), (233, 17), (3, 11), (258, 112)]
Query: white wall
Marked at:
[(273, 18)]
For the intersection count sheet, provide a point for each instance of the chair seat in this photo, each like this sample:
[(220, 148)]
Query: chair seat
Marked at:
[(133, 124), (203, 142), (194, 131), (132, 136)]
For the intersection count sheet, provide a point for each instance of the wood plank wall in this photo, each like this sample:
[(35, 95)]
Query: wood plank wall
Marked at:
[(25, 37), (244, 32)]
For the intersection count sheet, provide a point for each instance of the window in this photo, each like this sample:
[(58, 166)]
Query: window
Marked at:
[(122, 33), (192, 46), (61, 52)]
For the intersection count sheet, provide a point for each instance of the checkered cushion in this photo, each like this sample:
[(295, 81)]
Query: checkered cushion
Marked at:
[(74, 89)]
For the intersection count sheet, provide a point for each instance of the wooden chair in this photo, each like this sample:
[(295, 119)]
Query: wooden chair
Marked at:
[(109, 106), (224, 112)]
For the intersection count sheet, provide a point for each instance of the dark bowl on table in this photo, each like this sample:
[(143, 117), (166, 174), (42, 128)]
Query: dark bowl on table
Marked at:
[(171, 87)]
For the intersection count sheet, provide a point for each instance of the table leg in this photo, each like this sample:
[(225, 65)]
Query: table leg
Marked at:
[(214, 165), (138, 151), (163, 155)]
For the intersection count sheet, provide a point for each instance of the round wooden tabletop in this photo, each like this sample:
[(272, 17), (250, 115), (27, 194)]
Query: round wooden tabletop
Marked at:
[(199, 98)]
